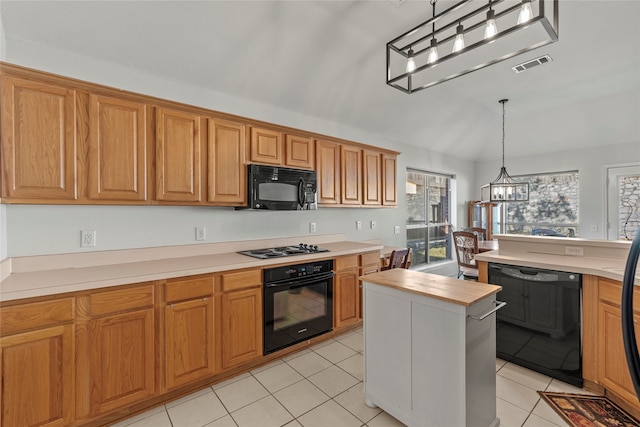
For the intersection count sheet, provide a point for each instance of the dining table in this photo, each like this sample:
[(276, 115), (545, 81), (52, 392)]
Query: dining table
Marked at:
[(487, 245)]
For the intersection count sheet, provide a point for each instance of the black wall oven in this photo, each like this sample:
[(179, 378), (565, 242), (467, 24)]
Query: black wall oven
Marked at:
[(298, 303)]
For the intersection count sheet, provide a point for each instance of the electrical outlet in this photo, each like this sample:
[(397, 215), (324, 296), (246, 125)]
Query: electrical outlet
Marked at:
[(373, 224), (88, 239), (201, 233), (358, 225), (396, 229), (312, 227), (574, 250)]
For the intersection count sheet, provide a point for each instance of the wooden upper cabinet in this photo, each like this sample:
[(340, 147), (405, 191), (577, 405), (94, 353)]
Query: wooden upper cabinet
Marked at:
[(389, 180), (328, 170), (118, 155), (226, 173), (299, 152), (372, 177), (38, 140), (351, 174), (266, 147), (178, 156)]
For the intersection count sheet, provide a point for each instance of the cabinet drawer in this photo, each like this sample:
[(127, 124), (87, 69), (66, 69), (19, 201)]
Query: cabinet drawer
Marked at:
[(349, 261), (36, 315), (241, 280), (368, 269), (121, 300), (610, 291), (184, 289), (370, 258)]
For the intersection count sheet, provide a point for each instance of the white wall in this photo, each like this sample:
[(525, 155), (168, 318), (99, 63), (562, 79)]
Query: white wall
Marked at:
[(589, 162), (44, 229)]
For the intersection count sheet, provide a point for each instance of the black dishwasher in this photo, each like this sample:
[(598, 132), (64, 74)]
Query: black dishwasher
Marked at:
[(539, 328)]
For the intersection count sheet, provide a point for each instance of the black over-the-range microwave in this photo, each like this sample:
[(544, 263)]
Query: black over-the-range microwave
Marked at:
[(276, 188)]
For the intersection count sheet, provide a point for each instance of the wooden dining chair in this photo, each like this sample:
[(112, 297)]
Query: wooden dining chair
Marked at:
[(400, 258), (480, 232), (466, 243)]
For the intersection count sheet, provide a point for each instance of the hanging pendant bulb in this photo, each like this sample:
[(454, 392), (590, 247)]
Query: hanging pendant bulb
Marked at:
[(411, 62), (433, 52), (526, 13), (458, 42), (491, 29)]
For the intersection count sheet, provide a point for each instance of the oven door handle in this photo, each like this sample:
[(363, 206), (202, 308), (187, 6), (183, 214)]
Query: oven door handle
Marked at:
[(300, 281)]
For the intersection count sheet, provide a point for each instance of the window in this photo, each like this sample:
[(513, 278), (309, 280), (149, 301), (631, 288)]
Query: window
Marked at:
[(428, 216), (552, 209), (623, 202)]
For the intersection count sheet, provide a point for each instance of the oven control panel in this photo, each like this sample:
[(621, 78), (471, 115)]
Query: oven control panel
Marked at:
[(297, 270)]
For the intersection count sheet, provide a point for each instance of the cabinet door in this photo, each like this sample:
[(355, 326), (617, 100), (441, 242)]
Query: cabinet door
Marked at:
[(227, 178), (299, 152), (266, 146), (37, 387), (241, 326), (117, 149), (328, 170), (38, 141), (189, 341), (122, 363), (346, 297), (351, 175), (613, 372), (389, 180), (178, 156), (372, 174)]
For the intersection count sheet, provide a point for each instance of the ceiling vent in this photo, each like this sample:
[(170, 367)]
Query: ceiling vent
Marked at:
[(397, 3), (530, 64)]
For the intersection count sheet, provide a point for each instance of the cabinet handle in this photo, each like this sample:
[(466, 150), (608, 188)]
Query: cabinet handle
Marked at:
[(171, 306), (499, 305)]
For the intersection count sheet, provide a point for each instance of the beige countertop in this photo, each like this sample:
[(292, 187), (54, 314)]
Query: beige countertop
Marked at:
[(449, 289), (29, 281), (599, 257)]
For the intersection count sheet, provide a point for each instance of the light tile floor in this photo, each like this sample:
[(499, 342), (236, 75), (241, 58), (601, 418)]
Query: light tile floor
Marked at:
[(322, 387)]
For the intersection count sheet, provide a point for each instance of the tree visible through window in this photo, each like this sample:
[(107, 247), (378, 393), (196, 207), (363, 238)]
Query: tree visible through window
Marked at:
[(428, 216)]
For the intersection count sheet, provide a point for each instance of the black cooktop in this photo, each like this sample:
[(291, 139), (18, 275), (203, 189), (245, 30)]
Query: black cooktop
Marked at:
[(283, 251)]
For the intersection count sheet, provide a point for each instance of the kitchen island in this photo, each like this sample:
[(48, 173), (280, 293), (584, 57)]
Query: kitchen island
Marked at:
[(430, 348)]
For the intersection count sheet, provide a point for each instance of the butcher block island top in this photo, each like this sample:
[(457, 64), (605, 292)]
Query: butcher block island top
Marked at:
[(449, 289)]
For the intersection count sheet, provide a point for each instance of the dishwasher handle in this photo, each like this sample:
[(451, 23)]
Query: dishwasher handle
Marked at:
[(499, 305)]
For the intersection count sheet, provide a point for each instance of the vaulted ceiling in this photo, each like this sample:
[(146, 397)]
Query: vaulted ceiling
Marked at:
[(327, 59)]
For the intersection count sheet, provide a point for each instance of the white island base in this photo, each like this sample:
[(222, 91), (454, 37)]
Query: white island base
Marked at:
[(427, 363)]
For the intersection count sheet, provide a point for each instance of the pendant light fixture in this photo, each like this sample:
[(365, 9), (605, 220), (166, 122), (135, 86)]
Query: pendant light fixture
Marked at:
[(433, 50), (490, 29), (466, 36), (504, 188), (526, 13), (458, 42), (411, 61)]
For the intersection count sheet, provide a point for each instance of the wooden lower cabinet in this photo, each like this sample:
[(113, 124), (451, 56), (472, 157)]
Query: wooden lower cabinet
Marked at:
[(369, 263), (346, 291), (241, 326), (241, 317), (189, 331), (37, 366), (116, 355), (613, 372)]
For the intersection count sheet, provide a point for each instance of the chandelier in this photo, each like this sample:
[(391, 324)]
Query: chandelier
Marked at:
[(504, 188), (467, 37)]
